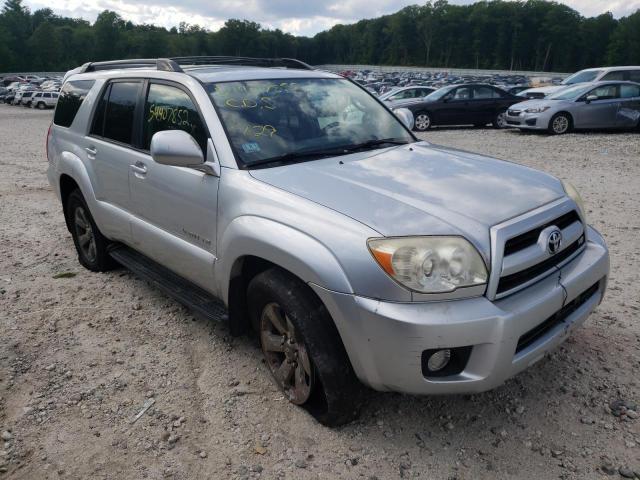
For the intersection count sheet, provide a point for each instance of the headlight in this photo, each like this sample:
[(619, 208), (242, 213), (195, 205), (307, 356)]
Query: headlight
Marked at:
[(537, 109), (430, 264), (573, 194)]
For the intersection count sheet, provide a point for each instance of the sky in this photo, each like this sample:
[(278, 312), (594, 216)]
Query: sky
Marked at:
[(299, 17)]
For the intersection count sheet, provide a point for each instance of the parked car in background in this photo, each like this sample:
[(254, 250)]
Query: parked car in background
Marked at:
[(469, 104), (586, 76), (26, 97), (44, 100), (583, 106), (9, 97), (406, 93)]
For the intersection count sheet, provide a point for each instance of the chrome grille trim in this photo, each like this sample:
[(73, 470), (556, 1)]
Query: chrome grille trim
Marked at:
[(504, 231)]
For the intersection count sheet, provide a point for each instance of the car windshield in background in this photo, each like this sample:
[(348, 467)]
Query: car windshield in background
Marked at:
[(570, 93), (294, 119), (582, 77)]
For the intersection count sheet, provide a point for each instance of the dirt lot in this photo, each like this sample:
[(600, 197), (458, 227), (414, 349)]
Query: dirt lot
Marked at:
[(79, 357)]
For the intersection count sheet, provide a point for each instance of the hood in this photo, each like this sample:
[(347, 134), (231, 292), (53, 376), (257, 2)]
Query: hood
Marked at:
[(419, 189), (546, 90), (541, 102)]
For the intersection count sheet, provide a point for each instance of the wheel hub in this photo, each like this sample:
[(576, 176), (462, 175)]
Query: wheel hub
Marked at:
[(286, 356)]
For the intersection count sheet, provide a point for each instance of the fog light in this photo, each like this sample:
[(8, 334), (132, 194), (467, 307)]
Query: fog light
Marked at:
[(439, 360)]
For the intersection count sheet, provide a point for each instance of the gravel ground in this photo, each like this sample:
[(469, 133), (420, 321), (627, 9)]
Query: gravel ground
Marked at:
[(80, 355)]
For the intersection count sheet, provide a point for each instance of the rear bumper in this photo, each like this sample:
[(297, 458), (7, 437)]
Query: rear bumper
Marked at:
[(385, 340)]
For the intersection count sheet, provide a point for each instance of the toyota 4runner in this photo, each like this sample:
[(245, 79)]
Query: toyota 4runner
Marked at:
[(294, 204)]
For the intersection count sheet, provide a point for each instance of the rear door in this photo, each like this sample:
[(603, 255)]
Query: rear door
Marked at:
[(175, 208), (628, 115), (600, 112), (486, 103), (111, 147)]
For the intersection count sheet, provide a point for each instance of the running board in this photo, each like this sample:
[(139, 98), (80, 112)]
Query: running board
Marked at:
[(200, 302)]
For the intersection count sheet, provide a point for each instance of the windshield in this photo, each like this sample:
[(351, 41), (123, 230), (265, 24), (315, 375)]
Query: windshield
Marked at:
[(271, 119), (581, 77), (441, 92), (570, 93)]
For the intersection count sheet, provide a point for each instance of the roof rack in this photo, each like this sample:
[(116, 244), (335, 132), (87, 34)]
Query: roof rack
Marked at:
[(174, 64)]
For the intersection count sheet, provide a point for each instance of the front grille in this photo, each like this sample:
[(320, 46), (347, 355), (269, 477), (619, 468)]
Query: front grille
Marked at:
[(523, 276), (532, 336), (529, 238)]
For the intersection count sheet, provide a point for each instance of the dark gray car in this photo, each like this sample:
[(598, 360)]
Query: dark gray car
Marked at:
[(584, 106)]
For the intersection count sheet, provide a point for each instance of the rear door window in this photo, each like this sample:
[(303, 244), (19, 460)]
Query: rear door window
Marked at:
[(71, 97), (482, 93), (117, 106), (629, 91), (634, 75), (171, 108)]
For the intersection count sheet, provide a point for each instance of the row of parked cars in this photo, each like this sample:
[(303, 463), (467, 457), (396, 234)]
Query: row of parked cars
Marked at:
[(30, 91), (597, 98)]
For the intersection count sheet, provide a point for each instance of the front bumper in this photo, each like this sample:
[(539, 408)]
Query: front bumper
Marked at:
[(532, 121), (385, 340)]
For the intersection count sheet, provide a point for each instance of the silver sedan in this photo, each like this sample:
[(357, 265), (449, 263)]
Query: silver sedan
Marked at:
[(584, 106)]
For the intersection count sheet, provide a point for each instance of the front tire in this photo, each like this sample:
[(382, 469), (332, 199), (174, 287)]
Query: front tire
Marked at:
[(41, 106), (302, 347), (560, 124), (90, 244), (422, 122)]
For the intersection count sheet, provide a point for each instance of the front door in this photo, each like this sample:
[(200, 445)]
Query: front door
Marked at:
[(600, 112), (454, 110), (175, 208)]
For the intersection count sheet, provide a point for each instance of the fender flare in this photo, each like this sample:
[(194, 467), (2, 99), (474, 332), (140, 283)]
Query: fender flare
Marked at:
[(282, 245)]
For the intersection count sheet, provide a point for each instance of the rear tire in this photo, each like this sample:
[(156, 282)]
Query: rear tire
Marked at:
[(500, 120), (302, 347), (560, 124), (90, 244), (422, 121), (41, 105)]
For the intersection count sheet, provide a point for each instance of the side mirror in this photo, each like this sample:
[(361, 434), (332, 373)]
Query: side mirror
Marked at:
[(176, 148), (405, 116), (591, 98)]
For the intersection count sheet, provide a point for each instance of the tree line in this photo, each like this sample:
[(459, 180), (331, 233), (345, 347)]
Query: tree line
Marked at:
[(511, 35)]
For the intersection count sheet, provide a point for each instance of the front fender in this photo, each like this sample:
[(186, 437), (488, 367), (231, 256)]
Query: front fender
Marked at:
[(283, 245)]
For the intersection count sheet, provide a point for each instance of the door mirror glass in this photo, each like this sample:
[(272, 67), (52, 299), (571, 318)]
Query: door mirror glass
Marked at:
[(405, 116), (176, 148)]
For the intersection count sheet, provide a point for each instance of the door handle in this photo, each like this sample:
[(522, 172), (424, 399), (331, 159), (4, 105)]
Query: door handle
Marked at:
[(91, 150), (139, 168)]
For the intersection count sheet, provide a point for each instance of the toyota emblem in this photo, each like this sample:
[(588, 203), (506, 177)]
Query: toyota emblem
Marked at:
[(554, 241)]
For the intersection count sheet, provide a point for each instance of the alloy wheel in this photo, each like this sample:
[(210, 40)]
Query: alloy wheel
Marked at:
[(423, 122), (560, 124), (501, 120), (84, 232), (286, 354)]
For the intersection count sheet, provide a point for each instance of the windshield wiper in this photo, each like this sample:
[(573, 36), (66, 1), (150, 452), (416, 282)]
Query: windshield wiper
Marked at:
[(374, 143), (304, 155), (297, 156)]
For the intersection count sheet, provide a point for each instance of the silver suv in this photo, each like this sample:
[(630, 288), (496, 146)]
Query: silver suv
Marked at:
[(42, 100), (294, 204)]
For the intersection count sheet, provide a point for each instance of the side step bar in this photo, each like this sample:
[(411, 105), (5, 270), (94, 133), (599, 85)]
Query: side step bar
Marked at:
[(200, 302)]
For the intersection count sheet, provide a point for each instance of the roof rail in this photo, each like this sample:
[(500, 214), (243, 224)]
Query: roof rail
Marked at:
[(174, 64), (159, 63), (244, 61)]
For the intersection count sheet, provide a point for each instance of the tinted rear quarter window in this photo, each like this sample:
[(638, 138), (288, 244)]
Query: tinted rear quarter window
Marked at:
[(71, 97)]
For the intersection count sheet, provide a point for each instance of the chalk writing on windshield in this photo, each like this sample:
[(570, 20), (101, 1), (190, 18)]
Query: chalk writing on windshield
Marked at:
[(260, 131), (262, 102)]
